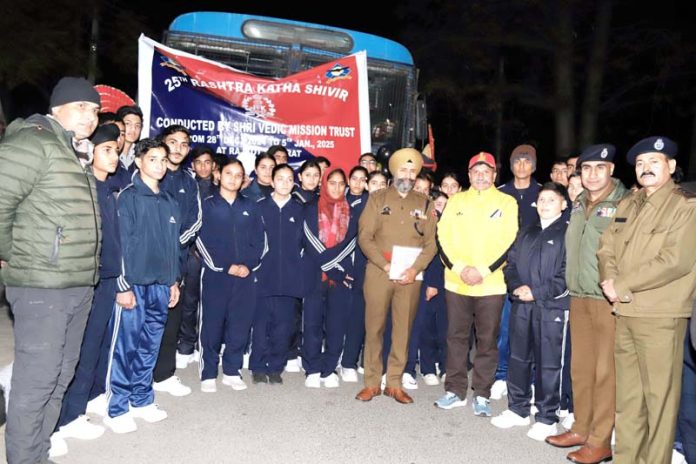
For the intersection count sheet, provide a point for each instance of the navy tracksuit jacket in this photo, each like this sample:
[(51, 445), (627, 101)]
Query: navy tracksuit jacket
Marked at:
[(327, 304), (537, 328), (231, 234), (149, 225), (184, 189), (190, 293), (90, 374), (355, 331), (280, 284)]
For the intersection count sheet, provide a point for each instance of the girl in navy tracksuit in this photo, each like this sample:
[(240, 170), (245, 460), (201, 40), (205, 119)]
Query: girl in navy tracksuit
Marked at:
[(355, 331), (309, 175), (149, 223), (97, 338), (279, 279), (330, 237), (230, 244), (535, 276)]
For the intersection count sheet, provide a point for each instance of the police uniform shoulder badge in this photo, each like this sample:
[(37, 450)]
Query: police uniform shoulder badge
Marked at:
[(689, 195)]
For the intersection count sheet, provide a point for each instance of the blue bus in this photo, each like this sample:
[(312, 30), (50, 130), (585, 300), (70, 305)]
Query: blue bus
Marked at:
[(276, 48)]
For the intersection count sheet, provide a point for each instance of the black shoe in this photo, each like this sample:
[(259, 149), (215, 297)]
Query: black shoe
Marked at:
[(275, 378), (257, 377)]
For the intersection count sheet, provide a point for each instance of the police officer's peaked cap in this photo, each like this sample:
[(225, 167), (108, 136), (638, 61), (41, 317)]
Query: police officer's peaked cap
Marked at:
[(599, 152), (656, 144), (403, 156)]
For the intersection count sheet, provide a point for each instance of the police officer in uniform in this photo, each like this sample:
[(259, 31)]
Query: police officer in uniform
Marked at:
[(647, 259), (393, 216)]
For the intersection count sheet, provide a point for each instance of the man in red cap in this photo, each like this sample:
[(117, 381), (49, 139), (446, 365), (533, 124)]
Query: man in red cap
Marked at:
[(475, 231)]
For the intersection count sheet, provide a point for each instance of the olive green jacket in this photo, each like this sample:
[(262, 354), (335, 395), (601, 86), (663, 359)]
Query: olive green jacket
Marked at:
[(582, 242), (649, 249), (49, 216)]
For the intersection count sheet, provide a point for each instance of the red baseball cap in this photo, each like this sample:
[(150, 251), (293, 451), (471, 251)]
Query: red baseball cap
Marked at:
[(482, 158)]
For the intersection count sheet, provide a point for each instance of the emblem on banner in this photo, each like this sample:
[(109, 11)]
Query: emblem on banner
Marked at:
[(259, 105), (337, 72), (168, 62)]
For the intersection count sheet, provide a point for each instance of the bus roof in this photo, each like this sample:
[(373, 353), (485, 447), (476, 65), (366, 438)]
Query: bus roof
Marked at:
[(229, 25)]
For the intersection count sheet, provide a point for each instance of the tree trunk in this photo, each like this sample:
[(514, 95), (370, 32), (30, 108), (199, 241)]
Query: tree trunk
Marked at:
[(691, 176), (563, 81), (595, 74)]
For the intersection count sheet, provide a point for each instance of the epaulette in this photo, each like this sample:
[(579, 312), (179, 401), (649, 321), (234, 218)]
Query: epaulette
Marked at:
[(688, 194)]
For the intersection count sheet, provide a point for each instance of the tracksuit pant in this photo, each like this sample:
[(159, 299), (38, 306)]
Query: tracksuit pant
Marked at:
[(537, 341), (686, 424), (463, 312), (504, 341), (296, 337), (428, 343), (273, 324), (135, 348), (355, 330), (226, 313), (97, 336), (326, 315), (190, 296), (48, 329), (566, 378)]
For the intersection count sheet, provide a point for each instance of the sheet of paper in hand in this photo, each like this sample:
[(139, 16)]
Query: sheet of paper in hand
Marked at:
[(403, 258)]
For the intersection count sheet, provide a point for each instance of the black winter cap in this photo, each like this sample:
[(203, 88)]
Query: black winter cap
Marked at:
[(105, 133), (73, 89)]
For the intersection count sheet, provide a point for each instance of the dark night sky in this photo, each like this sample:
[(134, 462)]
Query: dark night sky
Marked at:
[(457, 137)]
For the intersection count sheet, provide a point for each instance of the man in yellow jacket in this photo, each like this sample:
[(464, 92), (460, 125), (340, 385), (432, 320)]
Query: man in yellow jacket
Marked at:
[(647, 263), (475, 232)]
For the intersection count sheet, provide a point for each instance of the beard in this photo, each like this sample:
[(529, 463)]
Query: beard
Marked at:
[(404, 185)]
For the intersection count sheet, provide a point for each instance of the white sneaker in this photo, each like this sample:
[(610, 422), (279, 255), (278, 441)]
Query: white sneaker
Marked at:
[(613, 437), (245, 360), (539, 431), (313, 381), (568, 421), (208, 386), (678, 458), (533, 410), (561, 413), (431, 380), (173, 386), (234, 381), (498, 390), (59, 447), (121, 424), (508, 419), (150, 413), (361, 370), (195, 357), (383, 384), (183, 360), (331, 381), (292, 366), (408, 382), (98, 406), (82, 429), (443, 377), (349, 375)]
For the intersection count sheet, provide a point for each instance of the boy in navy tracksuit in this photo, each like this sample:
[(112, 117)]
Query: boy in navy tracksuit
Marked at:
[(202, 164), (280, 280), (149, 224), (329, 269), (181, 185), (355, 330), (535, 276), (231, 244), (97, 338)]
